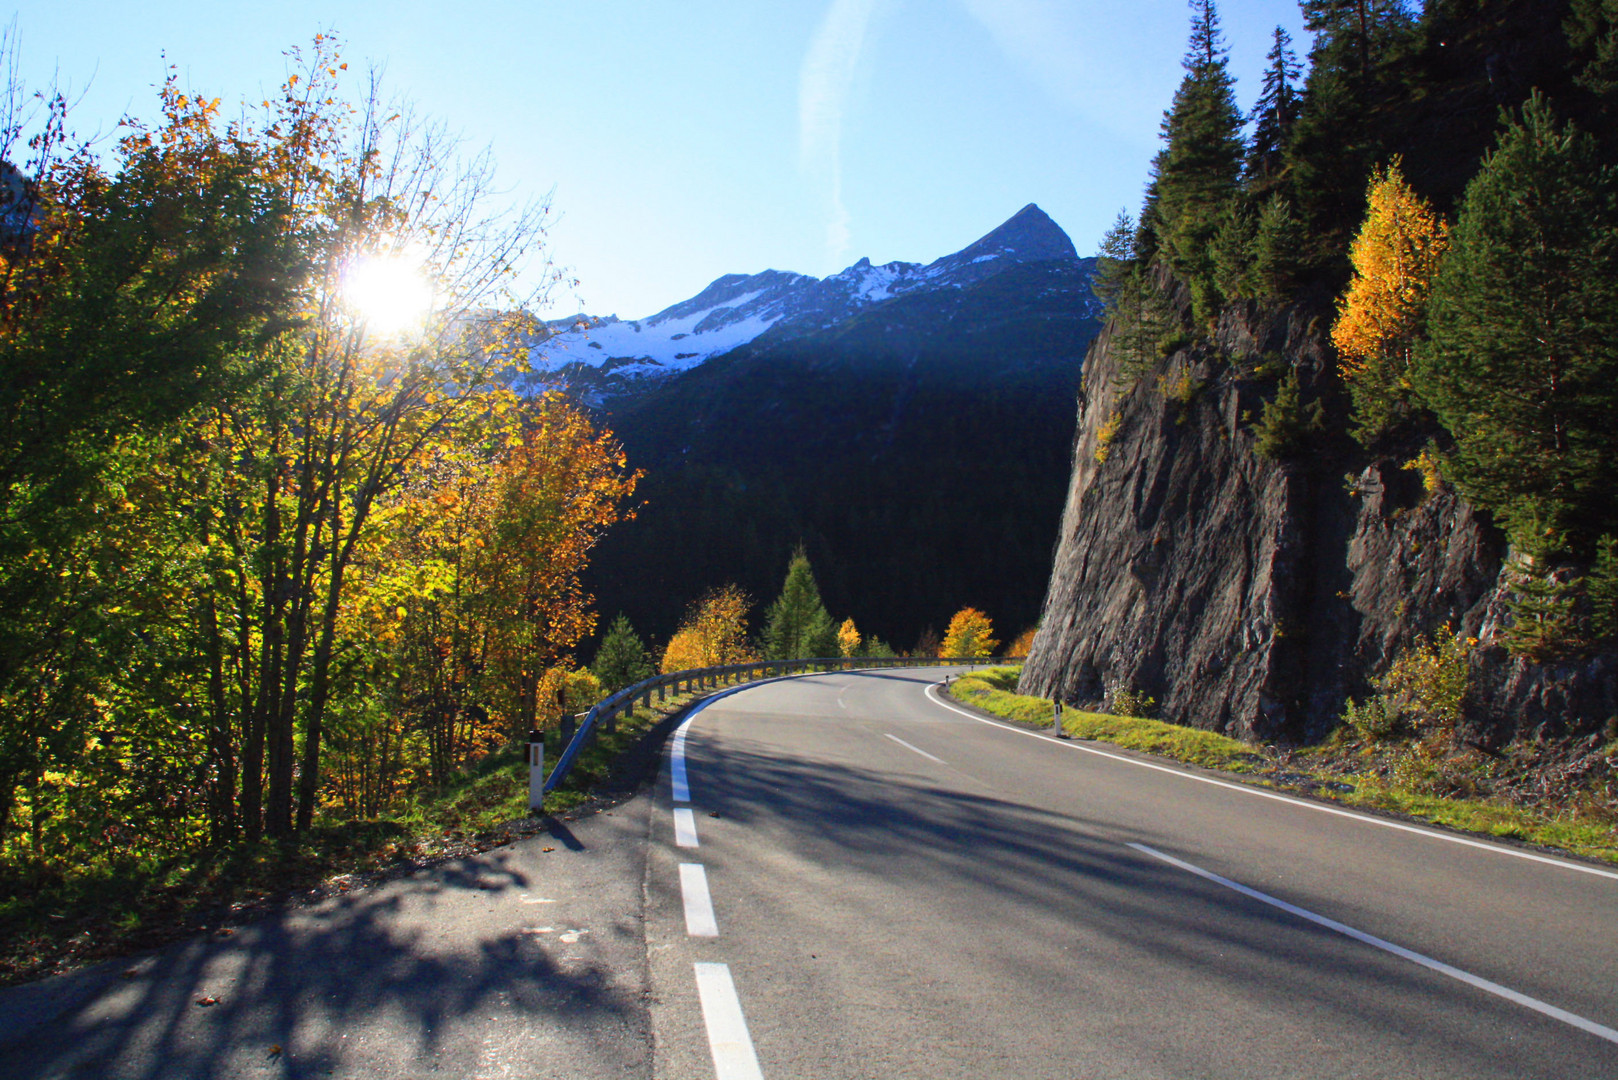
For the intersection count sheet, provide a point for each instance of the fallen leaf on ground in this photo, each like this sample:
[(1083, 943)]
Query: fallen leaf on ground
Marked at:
[(547, 849), (206, 1001)]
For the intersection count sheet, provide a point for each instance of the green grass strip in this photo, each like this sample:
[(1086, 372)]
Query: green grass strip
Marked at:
[(994, 691)]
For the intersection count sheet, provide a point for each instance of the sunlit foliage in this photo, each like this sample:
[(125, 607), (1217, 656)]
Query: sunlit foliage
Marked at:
[(1396, 257)]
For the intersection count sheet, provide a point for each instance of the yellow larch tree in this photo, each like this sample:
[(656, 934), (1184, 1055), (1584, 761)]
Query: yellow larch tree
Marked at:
[(1395, 258), (968, 634), (848, 638)]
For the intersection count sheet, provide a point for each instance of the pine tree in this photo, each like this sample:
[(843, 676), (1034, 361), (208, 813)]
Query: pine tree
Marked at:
[(1336, 141), (622, 659), (797, 625), (1134, 308), (1601, 586), (1196, 175), (1274, 265), (1274, 113), (1521, 362), (1285, 428), (1395, 258)]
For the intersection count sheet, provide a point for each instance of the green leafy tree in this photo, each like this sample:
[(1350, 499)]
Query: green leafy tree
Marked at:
[(877, 647), (1521, 361), (1592, 29), (622, 659), (797, 625), (1197, 173)]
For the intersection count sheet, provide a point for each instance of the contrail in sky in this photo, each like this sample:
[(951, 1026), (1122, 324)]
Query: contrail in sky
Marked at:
[(823, 88)]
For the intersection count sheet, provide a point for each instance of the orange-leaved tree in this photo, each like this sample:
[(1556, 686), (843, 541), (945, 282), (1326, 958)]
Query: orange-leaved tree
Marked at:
[(714, 632), (1395, 258), (1023, 643), (969, 634)]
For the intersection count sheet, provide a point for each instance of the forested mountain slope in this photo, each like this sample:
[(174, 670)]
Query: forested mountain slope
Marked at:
[(918, 448)]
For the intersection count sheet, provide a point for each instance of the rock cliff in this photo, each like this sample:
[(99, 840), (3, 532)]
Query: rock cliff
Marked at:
[(1252, 596)]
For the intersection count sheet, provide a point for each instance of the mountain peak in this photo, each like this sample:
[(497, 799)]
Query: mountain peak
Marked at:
[(1029, 235)]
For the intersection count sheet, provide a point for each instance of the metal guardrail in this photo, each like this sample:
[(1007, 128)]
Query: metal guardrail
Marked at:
[(610, 708)]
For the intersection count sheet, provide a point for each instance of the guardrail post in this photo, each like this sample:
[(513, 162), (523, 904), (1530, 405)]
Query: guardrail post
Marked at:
[(536, 770)]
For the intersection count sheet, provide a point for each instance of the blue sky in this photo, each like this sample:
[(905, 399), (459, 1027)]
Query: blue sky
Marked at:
[(686, 139)]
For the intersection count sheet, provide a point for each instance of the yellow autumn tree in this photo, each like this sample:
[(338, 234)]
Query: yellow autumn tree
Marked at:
[(1395, 258), (714, 632), (848, 638), (968, 634), (1023, 643)]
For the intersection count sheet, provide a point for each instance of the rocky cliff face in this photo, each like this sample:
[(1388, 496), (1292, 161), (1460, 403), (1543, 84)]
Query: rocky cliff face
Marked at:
[(1251, 596)]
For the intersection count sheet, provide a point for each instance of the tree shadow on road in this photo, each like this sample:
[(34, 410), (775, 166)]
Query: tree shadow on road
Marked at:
[(1064, 879), (405, 977)]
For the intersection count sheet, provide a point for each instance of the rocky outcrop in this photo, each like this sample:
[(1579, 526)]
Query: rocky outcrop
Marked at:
[(1251, 596)]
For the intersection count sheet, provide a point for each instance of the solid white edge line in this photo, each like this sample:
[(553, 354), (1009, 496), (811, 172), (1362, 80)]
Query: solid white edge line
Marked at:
[(1601, 1031), (731, 1045), (916, 749), (1277, 797), (685, 827), (681, 788), (699, 917)]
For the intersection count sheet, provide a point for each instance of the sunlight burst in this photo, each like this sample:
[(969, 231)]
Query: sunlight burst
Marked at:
[(390, 293)]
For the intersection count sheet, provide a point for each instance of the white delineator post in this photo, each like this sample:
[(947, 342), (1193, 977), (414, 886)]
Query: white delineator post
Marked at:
[(536, 770)]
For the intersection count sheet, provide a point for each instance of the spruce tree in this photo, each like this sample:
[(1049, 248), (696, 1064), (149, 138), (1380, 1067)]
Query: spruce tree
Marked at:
[(1196, 175), (1274, 113), (1336, 140), (622, 659), (1521, 361), (1134, 309), (797, 625), (1273, 266)]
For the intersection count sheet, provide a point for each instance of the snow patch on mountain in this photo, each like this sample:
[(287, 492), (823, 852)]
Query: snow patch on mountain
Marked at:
[(737, 308)]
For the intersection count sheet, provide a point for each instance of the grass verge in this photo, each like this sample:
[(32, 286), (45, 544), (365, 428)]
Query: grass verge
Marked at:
[(1363, 776), (56, 918)]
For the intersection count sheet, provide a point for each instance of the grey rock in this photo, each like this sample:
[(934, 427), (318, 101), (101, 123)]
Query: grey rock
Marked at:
[(1253, 597)]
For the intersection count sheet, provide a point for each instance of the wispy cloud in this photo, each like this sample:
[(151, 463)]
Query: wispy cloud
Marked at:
[(823, 91), (1090, 57)]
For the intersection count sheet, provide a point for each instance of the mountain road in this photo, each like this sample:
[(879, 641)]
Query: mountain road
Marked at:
[(848, 875), (899, 887)]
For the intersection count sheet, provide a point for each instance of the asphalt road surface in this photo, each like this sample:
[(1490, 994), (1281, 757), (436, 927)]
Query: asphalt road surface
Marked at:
[(900, 889), (844, 876)]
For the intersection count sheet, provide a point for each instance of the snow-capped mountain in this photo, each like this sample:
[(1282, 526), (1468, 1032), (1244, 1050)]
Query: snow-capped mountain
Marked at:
[(738, 308)]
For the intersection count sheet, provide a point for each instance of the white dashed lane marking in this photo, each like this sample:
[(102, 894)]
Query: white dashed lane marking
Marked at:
[(685, 827), (917, 749), (732, 1046), (699, 919)]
